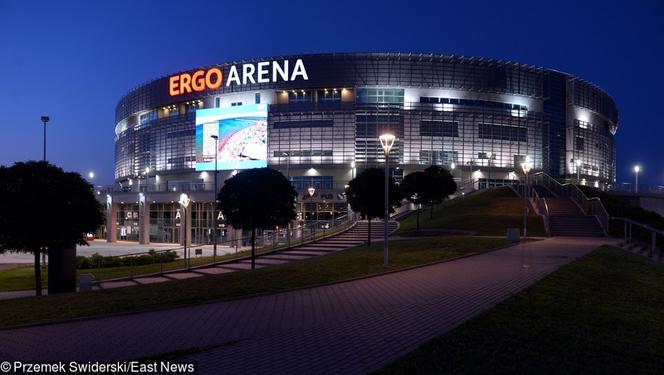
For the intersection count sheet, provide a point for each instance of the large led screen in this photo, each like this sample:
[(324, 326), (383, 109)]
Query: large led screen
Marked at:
[(242, 132)]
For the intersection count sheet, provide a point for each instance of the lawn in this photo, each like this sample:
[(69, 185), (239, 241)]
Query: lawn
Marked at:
[(487, 212), (602, 314), (356, 262), (23, 277)]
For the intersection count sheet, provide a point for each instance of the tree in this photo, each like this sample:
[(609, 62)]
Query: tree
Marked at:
[(45, 209), (366, 195), (260, 198), (416, 187), (442, 186)]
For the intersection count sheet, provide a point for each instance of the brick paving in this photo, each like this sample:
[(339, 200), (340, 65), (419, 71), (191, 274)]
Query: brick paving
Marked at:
[(351, 327)]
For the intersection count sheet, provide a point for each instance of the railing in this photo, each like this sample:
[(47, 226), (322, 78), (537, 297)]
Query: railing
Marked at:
[(590, 206), (157, 262), (467, 186), (540, 206), (646, 229)]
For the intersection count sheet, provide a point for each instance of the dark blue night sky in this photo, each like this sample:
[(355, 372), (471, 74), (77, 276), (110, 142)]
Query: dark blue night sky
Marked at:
[(74, 60)]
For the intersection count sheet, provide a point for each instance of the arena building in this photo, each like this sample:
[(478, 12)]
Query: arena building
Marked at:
[(317, 119)]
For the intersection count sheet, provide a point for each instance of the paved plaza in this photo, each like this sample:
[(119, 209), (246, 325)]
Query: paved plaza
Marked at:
[(349, 327)]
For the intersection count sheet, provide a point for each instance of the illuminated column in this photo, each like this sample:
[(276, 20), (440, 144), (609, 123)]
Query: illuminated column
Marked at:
[(185, 223), (111, 220), (143, 220)]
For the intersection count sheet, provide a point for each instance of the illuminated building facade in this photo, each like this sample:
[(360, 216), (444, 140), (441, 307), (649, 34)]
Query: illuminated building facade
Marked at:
[(323, 113)]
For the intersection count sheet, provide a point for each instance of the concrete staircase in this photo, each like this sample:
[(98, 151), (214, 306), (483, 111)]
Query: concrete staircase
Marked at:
[(354, 237), (342, 241), (543, 192), (566, 218), (644, 250)]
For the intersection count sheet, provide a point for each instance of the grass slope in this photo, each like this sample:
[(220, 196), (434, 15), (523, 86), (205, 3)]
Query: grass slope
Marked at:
[(356, 262), (23, 277), (602, 314), (488, 212)]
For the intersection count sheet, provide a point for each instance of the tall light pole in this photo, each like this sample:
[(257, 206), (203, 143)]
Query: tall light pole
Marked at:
[(577, 162), (386, 141), (214, 210), (312, 190), (526, 166), (184, 202), (352, 170), (287, 154), (637, 169), (489, 155), (45, 119)]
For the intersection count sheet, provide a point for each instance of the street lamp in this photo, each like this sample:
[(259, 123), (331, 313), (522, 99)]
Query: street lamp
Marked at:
[(184, 202), (386, 141), (577, 162), (45, 119), (214, 210), (352, 169), (489, 155), (526, 166), (637, 169), (287, 155), (312, 190)]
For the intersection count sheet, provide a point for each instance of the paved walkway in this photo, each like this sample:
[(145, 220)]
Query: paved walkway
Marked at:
[(352, 327)]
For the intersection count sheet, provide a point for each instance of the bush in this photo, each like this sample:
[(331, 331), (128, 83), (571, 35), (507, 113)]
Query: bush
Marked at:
[(83, 262), (98, 261)]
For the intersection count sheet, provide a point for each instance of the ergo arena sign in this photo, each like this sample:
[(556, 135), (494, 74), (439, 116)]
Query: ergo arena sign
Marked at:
[(213, 78)]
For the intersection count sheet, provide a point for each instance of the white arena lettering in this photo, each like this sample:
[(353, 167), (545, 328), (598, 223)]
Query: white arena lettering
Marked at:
[(260, 73)]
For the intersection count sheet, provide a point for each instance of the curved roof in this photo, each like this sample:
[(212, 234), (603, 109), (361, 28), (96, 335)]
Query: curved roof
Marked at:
[(382, 69)]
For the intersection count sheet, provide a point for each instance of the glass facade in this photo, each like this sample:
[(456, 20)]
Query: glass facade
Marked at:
[(464, 106), (473, 113)]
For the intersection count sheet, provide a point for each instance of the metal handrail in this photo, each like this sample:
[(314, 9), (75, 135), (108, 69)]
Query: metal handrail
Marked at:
[(590, 206), (541, 207), (281, 237), (654, 232)]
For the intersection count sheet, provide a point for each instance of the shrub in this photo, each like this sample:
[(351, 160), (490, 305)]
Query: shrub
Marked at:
[(96, 260)]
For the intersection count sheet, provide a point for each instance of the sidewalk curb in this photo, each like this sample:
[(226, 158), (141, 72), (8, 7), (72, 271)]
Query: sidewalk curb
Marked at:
[(260, 294)]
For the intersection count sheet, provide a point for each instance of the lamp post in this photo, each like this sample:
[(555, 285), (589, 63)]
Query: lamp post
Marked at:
[(287, 155), (214, 209), (489, 155), (526, 166), (45, 119), (577, 162), (386, 141), (637, 169), (352, 170), (184, 202), (312, 190)]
